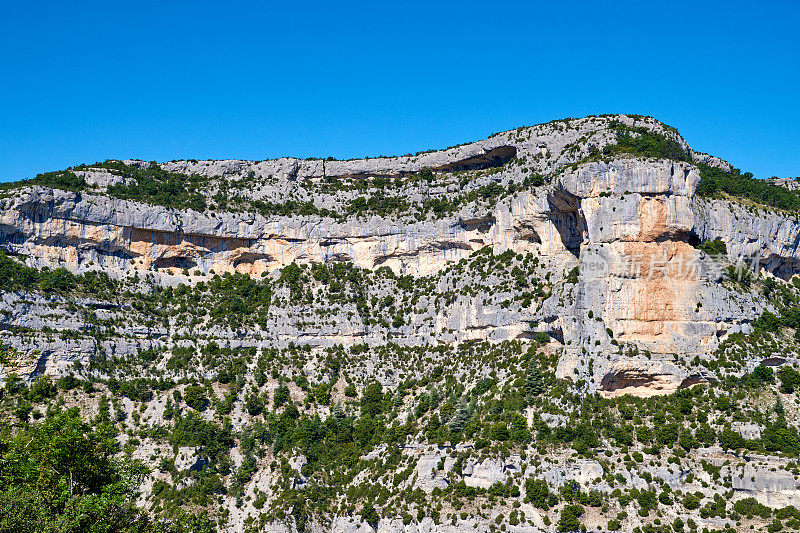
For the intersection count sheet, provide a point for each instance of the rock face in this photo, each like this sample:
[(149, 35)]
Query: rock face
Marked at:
[(73, 229), (542, 237), (641, 282), (776, 488), (638, 218), (767, 239), (57, 227), (189, 458), (626, 224)]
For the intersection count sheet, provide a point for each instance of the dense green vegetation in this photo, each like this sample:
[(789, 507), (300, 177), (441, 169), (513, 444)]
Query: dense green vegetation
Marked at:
[(289, 208), (15, 276), (150, 185), (60, 179), (636, 141), (714, 247), (743, 185), (61, 475), (642, 142), (156, 186)]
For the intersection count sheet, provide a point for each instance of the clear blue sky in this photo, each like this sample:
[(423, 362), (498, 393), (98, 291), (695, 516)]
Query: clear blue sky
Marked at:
[(86, 81)]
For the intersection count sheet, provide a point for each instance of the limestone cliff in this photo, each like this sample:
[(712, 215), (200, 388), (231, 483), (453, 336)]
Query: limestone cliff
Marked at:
[(482, 293), (626, 223)]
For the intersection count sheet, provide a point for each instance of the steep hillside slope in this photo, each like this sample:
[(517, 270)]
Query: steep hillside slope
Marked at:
[(575, 322)]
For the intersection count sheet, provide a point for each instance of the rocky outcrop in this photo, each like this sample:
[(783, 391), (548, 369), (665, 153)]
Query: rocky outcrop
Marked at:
[(75, 229), (190, 458), (60, 228), (765, 239), (626, 225), (771, 486), (640, 282), (644, 378)]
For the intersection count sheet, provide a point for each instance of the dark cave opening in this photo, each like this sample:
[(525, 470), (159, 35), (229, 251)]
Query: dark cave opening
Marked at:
[(566, 215)]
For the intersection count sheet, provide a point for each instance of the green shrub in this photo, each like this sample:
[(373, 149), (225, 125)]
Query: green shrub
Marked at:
[(714, 247), (61, 473), (372, 399), (751, 507), (280, 396), (569, 519), (790, 379), (537, 492), (714, 180), (42, 389), (195, 397), (154, 185), (691, 501)]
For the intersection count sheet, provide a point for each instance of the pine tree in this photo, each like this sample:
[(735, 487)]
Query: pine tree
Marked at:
[(534, 384), (460, 417), (434, 398), (779, 410)]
